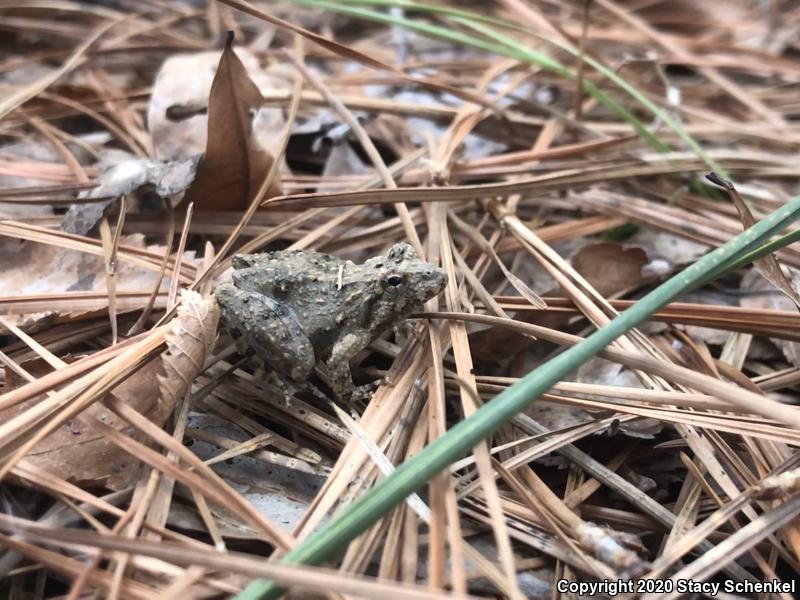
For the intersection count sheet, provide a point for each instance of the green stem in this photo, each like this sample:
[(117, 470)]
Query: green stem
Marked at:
[(357, 517)]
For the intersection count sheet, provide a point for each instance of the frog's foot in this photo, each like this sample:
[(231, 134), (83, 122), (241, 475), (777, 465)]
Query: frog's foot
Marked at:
[(364, 392), (315, 391), (290, 389), (287, 387)]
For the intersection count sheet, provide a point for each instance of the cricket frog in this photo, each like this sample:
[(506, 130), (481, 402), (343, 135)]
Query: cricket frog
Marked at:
[(295, 308)]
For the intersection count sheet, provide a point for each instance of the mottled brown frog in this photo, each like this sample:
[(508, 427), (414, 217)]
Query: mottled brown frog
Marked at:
[(295, 308)]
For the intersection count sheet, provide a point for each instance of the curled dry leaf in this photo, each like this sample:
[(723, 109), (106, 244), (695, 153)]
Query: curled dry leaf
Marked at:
[(78, 453), (122, 174), (234, 164), (768, 266), (194, 331)]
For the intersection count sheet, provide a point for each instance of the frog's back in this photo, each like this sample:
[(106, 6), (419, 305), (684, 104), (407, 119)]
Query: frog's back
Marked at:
[(301, 262), (284, 273), (304, 281)]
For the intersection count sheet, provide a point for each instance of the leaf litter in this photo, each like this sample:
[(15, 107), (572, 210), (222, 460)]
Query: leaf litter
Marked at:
[(143, 457)]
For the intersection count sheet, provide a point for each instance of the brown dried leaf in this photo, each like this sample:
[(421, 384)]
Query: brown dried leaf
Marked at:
[(177, 114), (768, 266), (79, 453), (193, 334), (610, 267), (31, 269), (234, 164)]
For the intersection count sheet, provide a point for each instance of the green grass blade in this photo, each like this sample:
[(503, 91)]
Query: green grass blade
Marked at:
[(525, 54), (435, 9), (606, 100), (357, 517), (498, 43), (501, 45), (767, 248)]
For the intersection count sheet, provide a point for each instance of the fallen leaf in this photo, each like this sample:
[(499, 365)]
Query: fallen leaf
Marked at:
[(711, 297), (32, 269), (234, 164), (177, 114), (78, 453), (122, 174), (556, 417), (279, 493), (602, 372), (42, 157), (610, 267), (194, 332), (665, 250)]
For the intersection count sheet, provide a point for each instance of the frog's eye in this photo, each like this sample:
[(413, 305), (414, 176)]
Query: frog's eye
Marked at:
[(396, 253), (394, 282)]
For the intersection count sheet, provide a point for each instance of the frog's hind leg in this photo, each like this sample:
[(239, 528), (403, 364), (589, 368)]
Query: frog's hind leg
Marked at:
[(271, 330)]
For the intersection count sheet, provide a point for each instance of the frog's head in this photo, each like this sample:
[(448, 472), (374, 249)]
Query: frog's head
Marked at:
[(405, 281)]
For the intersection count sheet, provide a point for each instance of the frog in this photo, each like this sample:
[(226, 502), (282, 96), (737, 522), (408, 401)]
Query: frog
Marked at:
[(294, 309)]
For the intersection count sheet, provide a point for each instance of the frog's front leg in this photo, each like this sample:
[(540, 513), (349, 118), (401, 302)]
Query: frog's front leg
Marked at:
[(338, 364), (290, 388)]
